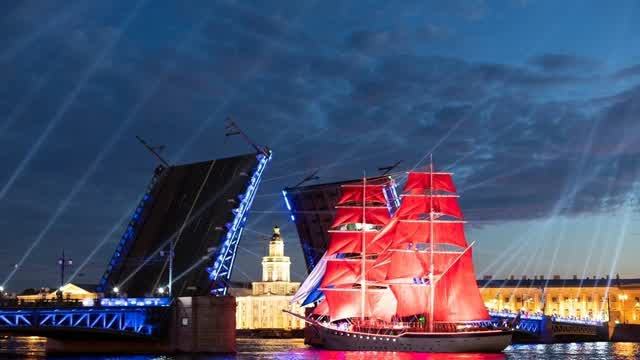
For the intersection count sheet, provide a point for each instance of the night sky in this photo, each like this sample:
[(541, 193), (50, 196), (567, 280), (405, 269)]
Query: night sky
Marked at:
[(534, 105)]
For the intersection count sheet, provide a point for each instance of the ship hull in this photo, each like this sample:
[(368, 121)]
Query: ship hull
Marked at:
[(468, 342)]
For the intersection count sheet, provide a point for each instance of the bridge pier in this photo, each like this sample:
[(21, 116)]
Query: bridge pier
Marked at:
[(204, 324), (201, 324)]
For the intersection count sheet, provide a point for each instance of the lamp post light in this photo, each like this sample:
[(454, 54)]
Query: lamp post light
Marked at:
[(161, 290), (171, 255), (116, 290), (63, 262)]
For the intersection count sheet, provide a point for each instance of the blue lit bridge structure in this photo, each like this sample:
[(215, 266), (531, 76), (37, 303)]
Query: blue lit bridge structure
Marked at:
[(146, 318), (538, 328), (196, 212)]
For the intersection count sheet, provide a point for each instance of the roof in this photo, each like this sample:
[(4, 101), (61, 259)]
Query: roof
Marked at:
[(558, 283)]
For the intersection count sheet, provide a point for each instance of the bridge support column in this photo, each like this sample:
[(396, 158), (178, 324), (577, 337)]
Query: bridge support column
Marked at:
[(546, 331), (204, 324)]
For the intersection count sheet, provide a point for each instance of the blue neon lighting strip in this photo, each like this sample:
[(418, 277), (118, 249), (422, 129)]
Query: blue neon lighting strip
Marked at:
[(289, 207), (130, 231), (225, 257), (135, 302)]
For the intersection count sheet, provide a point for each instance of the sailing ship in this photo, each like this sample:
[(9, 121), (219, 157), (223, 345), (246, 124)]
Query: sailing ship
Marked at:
[(401, 282)]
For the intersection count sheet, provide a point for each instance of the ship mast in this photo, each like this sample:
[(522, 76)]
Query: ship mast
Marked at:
[(362, 255), (432, 289)]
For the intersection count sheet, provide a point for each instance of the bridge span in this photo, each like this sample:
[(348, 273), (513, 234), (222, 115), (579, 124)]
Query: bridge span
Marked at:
[(180, 243)]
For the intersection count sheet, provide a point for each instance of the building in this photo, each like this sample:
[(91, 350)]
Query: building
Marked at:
[(68, 292), (616, 300), (263, 308), (312, 208)]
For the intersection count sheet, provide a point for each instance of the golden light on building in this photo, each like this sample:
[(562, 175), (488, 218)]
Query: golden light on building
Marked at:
[(263, 308), (68, 292), (604, 299)]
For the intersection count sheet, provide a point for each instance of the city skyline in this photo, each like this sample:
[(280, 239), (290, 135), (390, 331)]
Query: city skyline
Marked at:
[(532, 105)]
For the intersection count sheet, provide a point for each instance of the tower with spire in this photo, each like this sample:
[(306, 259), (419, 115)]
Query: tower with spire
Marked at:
[(276, 266), (263, 308)]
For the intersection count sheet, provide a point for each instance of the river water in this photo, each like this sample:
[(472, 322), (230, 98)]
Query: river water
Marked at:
[(294, 349)]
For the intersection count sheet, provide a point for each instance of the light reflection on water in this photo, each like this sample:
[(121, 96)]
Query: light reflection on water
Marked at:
[(294, 349)]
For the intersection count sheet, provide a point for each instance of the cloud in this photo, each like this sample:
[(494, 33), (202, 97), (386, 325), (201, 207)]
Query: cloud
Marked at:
[(564, 63), (628, 72), (523, 138), (381, 42)]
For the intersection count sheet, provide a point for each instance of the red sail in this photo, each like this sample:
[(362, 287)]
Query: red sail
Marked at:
[(353, 215), (459, 298), (410, 264), (400, 233), (351, 242), (413, 299), (400, 265), (343, 304), (419, 182), (348, 271), (346, 303), (353, 194), (321, 308), (341, 272), (381, 304), (415, 205)]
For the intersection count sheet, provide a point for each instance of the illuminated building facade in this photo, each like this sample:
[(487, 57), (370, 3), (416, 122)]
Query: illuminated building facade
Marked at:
[(616, 300), (68, 292), (263, 308)]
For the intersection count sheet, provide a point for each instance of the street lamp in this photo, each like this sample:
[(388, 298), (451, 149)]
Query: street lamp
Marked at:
[(116, 290), (171, 254), (623, 297), (161, 290), (63, 262)]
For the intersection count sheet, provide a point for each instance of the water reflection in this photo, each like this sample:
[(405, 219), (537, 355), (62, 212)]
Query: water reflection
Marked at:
[(294, 349), (363, 355), (28, 347), (626, 350)]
